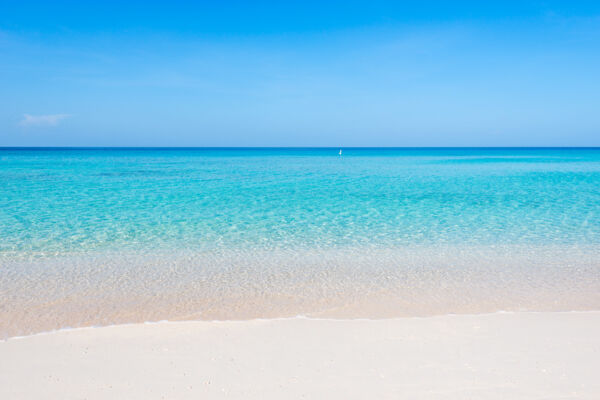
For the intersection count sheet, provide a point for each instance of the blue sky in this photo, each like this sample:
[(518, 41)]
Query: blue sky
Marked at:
[(344, 73)]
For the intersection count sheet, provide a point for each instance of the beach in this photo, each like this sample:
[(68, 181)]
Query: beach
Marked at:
[(299, 200), (96, 237), (297, 273), (489, 356)]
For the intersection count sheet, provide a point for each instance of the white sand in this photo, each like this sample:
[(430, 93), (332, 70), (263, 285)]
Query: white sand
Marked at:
[(498, 356)]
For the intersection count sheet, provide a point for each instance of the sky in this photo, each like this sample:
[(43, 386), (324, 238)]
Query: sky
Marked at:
[(307, 73)]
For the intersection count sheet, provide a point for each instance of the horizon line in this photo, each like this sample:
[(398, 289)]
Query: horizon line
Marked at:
[(284, 147)]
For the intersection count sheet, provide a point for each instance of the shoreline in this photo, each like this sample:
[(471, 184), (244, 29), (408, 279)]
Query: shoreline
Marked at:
[(291, 318), (100, 289), (488, 356)]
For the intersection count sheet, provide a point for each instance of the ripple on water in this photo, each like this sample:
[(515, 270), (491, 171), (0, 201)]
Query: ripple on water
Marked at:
[(51, 292)]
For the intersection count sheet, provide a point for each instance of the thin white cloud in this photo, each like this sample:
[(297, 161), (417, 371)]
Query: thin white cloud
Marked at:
[(42, 120)]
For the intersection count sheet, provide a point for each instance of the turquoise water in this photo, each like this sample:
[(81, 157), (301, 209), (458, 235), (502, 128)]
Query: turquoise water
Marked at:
[(73, 220), (90, 200)]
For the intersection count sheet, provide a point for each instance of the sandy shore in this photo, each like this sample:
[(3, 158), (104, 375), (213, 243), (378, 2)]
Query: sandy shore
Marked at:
[(495, 356)]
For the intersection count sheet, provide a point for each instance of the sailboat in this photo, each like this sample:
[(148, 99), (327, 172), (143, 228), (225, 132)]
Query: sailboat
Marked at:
[(340, 152)]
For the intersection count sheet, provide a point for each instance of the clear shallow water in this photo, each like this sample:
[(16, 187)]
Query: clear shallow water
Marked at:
[(97, 236)]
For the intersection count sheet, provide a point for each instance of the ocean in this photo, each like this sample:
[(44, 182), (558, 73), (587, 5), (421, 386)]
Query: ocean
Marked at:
[(115, 235)]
